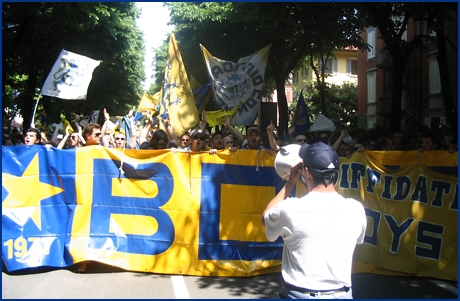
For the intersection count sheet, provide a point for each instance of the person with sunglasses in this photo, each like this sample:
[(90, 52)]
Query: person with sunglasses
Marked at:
[(71, 140), (184, 140), (300, 139), (197, 145), (120, 140), (92, 134)]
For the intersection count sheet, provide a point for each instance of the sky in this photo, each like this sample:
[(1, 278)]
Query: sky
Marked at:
[(153, 22)]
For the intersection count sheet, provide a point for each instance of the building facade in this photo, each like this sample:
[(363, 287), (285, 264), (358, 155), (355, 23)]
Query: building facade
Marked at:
[(342, 68), (422, 95)]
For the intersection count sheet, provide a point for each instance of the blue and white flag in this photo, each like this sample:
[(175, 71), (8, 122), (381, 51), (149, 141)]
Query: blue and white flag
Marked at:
[(201, 94), (91, 117), (233, 83), (70, 76)]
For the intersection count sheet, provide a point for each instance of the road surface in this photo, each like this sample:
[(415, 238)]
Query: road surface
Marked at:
[(107, 282)]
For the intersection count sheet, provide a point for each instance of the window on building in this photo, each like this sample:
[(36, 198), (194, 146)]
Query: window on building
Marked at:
[(435, 80), (305, 71), (371, 87), (331, 66), (295, 77), (371, 41), (352, 66), (371, 122)]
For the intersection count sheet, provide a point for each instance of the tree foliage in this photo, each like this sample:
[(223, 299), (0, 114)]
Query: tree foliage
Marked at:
[(341, 103), (35, 33)]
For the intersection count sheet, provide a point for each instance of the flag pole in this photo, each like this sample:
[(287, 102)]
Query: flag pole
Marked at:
[(32, 122)]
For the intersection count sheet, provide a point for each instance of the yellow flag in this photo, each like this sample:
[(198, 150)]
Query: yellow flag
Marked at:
[(149, 103), (114, 124), (177, 100), (218, 117), (65, 124)]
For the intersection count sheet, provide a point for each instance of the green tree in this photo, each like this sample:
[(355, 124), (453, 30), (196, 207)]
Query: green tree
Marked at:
[(341, 103), (339, 29), (35, 33)]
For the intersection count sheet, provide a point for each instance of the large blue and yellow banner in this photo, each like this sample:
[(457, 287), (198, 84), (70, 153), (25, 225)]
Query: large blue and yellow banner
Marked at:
[(171, 212)]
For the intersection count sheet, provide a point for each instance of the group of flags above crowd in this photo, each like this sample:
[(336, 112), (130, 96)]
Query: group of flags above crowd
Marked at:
[(236, 88)]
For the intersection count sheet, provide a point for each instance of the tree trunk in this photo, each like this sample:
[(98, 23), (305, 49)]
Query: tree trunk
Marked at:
[(396, 92), (282, 106)]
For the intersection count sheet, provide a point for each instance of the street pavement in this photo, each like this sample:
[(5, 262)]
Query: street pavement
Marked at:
[(108, 282)]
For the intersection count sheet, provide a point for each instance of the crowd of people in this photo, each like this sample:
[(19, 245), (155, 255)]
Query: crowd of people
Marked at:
[(157, 133)]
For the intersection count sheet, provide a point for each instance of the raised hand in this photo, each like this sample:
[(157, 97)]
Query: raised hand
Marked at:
[(106, 115), (270, 127), (67, 130), (130, 113)]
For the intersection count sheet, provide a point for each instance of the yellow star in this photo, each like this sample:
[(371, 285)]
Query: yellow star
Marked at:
[(25, 194)]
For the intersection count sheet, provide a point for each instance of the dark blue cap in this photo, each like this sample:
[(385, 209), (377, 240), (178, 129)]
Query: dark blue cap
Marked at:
[(320, 159)]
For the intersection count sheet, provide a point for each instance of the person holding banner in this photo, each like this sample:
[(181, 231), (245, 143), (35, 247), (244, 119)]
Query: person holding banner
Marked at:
[(299, 139), (76, 140), (253, 138), (92, 134), (184, 140), (197, 144), (229, 141), (320, 229), (430, 141), (32, 137)]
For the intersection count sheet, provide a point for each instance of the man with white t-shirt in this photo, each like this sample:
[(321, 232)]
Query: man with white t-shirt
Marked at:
[(320, 230)]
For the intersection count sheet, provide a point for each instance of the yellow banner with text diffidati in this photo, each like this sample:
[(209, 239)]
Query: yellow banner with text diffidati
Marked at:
[(170, 212)]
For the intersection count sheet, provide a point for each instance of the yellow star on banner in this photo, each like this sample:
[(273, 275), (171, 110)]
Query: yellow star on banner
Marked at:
[(25, 194)]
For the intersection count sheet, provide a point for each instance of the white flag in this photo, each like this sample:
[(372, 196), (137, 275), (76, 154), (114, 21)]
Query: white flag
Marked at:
[(322, 123), (70, 76), (91, 117), (242, 81)]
